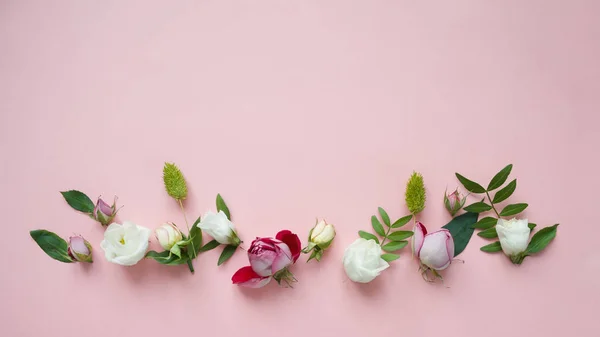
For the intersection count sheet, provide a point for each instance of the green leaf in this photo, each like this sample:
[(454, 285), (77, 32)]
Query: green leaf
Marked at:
[(209, 246), (53, 245), (368, 236), (500, 178), (531, 225), (377, 226), (470, 185), (174, 181), (541, 239), (513, 209), (79, 201), (226, 254), (385, 217), (390, 257), (415, 195), (394, 246), (478, 207), (492, 247), (505, 192), (167, 258), (400, 235), (402, 221), (489, 233), (486, 223), (195, 240), (462, 229), (221, 206)]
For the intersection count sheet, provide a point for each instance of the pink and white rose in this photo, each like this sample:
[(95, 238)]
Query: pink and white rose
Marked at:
[(435, 250), (269, 258)]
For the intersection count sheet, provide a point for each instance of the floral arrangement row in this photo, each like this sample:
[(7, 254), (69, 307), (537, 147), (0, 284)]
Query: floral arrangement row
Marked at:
[(270, 258)]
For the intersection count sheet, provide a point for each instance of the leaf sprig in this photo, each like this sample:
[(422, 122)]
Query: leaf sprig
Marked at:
[(487, 225), (397, 238)]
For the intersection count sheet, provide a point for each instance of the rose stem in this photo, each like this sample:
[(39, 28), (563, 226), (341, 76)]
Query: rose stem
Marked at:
[(188, 228), (492, 203)]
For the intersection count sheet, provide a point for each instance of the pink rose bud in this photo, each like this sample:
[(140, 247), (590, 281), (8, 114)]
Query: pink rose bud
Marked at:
[(434, 250), (80, 249), (454, 202), (104, 213)]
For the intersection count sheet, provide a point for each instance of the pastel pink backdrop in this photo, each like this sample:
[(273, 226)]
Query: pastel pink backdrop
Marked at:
[(294, 110)]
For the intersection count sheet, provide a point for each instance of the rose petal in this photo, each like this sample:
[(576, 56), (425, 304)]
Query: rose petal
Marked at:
[(246, 277), (418, 237), (434, 252), (292, 241), (283, 258)]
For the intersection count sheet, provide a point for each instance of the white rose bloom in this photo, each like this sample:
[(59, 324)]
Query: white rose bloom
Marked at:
[(363, 262), (125, 244), (219, 227), (513, 235)]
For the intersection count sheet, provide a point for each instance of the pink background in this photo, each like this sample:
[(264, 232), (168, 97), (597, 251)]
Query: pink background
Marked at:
[(293, 110)]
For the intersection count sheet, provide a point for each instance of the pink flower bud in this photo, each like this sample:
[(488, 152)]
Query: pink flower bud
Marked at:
[(434, 250), (80, 249), (454, 202), (104, 213)]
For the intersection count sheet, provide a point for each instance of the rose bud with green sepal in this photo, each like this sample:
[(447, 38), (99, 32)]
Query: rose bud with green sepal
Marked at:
[(320, 238), (220, 228), (168, 235), (454, 202), (104, 213), (80, 249)]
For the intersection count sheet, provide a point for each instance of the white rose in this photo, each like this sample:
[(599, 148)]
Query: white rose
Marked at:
[(363, 262), (513, 235), (125, 244), (219, 227), (168, 235)]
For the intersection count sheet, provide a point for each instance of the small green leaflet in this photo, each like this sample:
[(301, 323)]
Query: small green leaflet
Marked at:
[(390, 257), (513, 209), (500, 178), (368, 236), (226, 254), (471, 186), (492, 247), (489, 233), (209, 246), (478, 207), (486, 223), (541, 239), (461, 228), (400, 235), (79, 201), (394, 246), (53, 245), (402, 221), (505, 192), (221, 206), (385, 217), (377, 226)]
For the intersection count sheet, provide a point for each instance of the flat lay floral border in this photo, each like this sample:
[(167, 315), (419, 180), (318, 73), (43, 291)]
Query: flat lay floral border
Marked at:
[(271, 258)]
